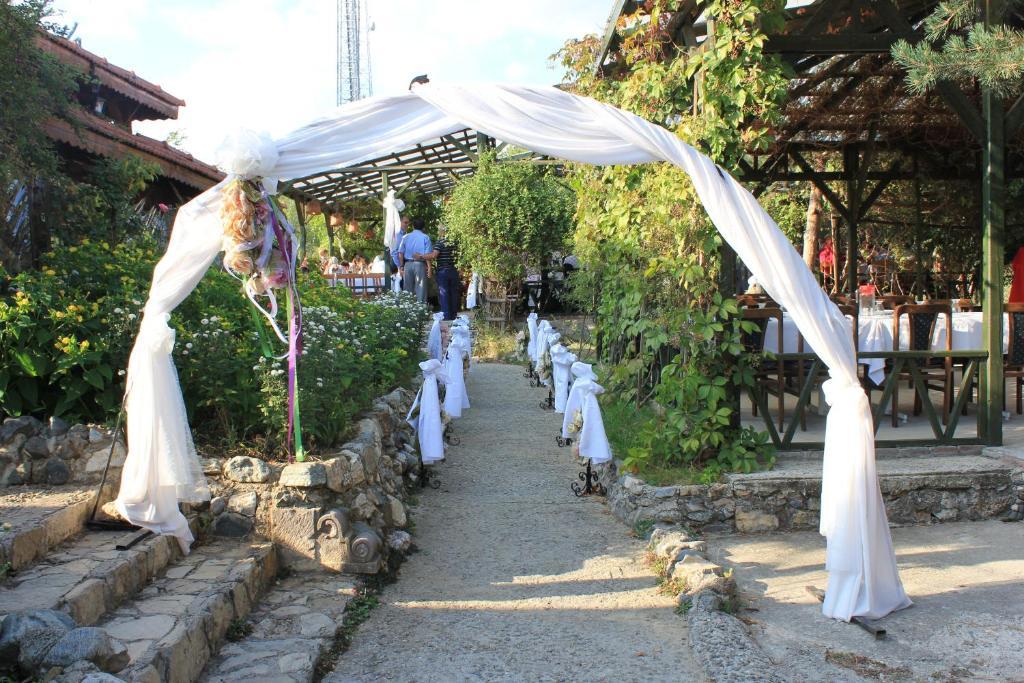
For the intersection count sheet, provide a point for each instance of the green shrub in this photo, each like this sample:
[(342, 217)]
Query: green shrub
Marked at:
[(66, 331)]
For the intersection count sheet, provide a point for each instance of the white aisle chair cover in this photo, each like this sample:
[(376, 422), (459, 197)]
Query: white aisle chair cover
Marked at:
[(580, 371), (862, 569), (434, 337), (427, 424), (593, 441), (543, 327), (561, 360), (455, 397), (550, 340)]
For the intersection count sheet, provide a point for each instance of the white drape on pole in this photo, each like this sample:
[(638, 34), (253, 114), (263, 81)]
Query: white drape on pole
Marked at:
[(427, 423), (531, 333), (562, 359), (455, 398), (393, 207), (434, 337), (593, 441), (862, 568)]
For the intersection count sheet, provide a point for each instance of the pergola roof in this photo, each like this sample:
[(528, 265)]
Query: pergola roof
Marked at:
[(430, 167)]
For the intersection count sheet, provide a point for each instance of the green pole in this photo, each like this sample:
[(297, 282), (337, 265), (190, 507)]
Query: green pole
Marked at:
[(851, 169), (993, 223)]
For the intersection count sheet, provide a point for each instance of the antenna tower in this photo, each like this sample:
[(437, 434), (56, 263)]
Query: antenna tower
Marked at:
[(355, 79)]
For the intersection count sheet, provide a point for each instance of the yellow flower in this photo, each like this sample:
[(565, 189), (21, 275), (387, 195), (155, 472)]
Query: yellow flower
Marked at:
[(50, 271), (84, 345), (366, 356), (72, 249)]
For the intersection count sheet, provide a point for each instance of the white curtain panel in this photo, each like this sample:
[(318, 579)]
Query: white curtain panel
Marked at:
[(434, 337), (561, 360), (531, 334), (860, 559), (579, 371), (593, 441), (455, 398)]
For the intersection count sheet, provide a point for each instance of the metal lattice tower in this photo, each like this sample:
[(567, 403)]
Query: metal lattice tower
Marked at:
[(355, 80)]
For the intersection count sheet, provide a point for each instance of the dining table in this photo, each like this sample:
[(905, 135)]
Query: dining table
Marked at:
[(875, 330)]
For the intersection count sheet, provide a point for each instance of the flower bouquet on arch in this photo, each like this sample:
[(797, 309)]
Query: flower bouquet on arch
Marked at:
[(545, 369), (521, 344)]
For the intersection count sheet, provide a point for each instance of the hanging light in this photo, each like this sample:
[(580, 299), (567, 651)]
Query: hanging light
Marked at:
[(313, 208), (353, 224)]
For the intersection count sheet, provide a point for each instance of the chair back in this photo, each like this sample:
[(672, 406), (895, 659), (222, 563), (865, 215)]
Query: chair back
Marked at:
[(891, 301), (852, 312), (921, 325), (363, 285), (1015, 350), (754, 341)]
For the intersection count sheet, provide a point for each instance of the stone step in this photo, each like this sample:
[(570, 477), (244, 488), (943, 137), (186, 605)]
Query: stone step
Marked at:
[(87, 576), (40, 518), (180, 620), (292, 628)]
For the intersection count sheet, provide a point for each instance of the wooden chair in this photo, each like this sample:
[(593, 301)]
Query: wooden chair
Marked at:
[(921, 320), (770, 377), (802, 367), (891, 301), (1013, 362)]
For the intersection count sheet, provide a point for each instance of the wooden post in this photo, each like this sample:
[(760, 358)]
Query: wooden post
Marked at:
[(330, 231), (385, 185), (993, 223), (851, 169)]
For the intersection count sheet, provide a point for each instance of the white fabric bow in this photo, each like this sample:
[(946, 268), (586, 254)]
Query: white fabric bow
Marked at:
[(561, 360), (434, 337), (580, 371), (248, 154), (455, 397), (531, 329), (593, 440)]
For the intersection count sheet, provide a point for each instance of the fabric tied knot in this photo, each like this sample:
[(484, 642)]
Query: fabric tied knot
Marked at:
[(427, 423), (248, 154), (156, 333), (839, 392)]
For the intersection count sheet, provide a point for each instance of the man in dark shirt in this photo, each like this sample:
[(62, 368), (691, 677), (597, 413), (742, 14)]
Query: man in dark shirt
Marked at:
[(446, 275)]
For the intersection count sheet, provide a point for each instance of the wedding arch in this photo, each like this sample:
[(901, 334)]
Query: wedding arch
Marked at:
[(162, 468)]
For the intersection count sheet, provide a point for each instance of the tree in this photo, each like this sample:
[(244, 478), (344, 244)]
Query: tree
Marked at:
[(507, 216), (958, 47), (34, 87)]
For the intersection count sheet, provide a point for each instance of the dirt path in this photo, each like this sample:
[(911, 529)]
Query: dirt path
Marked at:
[(516, 579)]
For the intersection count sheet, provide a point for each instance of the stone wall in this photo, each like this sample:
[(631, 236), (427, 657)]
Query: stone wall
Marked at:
[(343, 510), (33, 452), (768, 501)]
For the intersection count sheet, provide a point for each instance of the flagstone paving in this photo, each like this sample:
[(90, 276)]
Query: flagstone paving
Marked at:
[(516, 579)]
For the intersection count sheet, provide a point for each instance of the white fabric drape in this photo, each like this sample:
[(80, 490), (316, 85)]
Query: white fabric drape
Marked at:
[(580, 371), (593, 441), (434, 337), (474, 291), (561, 359), (543, 328), (427, 424), (455, 397), (393, 208), (861, 562), (531, 335)]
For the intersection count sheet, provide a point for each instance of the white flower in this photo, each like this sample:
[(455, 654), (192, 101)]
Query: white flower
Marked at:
[(184, 353), (120, 373), (188, 345), (205, 321), (132, 316), (118, 310)]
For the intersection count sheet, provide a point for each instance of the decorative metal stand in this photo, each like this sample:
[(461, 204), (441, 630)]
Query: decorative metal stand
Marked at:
[(530, 374), (549, 402), (563, 442), (591, 485), (449, 436), (872, 626), (427, 477)]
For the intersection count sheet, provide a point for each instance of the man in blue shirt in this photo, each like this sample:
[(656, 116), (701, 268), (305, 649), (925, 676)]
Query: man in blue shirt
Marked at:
[(412, 260)]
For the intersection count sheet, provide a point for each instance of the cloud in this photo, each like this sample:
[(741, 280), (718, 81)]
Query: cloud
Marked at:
[(270, 64)]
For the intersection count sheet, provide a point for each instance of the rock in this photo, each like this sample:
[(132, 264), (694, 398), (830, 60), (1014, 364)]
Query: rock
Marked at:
[(668, 545), (76, 440), (665, 491), (399, 541), (363, 507), (632, 485), (12, 426), (232, 524), (394, 513), (316, 625), (88, 643), (337, 469), (749, 521), (57, 472), (58, 427), (246, 470), (244, 503), (218, 505), (96, 436), (36, 447), (700, 516), (946, 515), (304, 475), (692, 567), (26, 636), (211, 467)]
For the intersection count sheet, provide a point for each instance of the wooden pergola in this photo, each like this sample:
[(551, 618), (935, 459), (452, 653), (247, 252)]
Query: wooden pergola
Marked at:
[(848, 102)]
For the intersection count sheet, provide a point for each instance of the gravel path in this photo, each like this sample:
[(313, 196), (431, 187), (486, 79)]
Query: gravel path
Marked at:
[(516, 579)]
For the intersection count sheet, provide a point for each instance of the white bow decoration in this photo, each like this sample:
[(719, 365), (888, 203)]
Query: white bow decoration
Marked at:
[(531, 327), (580, 371), (248, 154), (561, 360), (455, 397), (393, 207), (434, 337), (593, 440)]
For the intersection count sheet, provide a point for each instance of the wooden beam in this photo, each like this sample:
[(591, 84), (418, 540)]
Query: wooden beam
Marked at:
[(1014, 118), (877, 190), (841, 44), (815, 177)]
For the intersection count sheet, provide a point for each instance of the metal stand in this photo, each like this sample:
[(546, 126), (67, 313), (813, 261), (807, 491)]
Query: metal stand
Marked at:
[(549, 403), (427, 477), (94, 524), (591, 485), (449, 436), (530, 374), (870, 625), (562, 442)]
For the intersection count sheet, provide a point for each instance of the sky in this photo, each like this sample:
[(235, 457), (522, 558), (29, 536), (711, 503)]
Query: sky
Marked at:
[(269, 65)]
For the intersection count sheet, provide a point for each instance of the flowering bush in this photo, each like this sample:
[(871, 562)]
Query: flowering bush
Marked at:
[(66, 331)]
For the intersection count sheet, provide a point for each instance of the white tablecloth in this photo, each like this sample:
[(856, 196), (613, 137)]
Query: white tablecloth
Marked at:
[(875, 334)]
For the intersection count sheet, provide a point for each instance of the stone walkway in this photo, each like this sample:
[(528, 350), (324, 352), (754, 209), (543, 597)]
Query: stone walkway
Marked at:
[(517, 579)]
